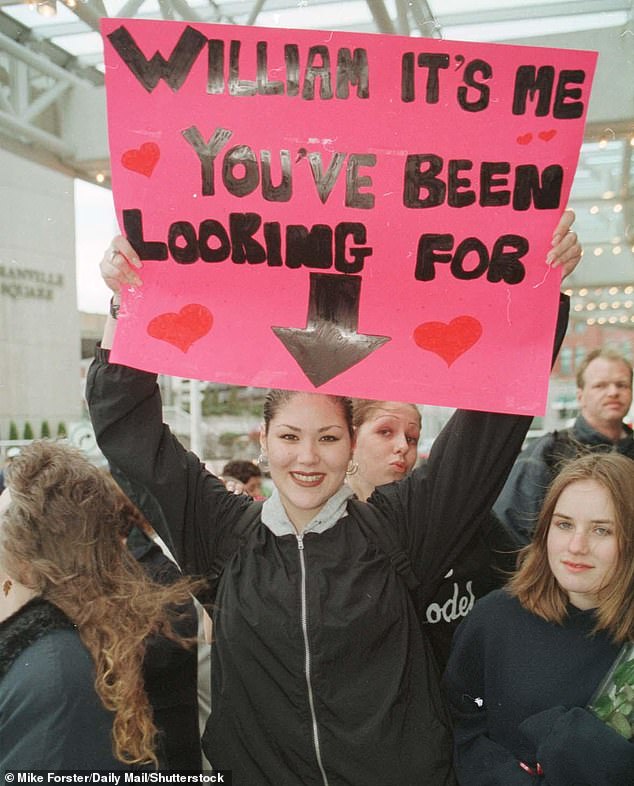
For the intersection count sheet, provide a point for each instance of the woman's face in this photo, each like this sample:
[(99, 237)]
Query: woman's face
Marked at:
[(582, 543), (386, 442), (308, 448)]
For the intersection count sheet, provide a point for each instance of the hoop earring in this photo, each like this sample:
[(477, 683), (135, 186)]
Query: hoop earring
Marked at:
[(353, 467), (6, 587), (263, 461)]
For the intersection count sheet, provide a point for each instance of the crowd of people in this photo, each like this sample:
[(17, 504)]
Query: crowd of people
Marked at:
[(373, 621)]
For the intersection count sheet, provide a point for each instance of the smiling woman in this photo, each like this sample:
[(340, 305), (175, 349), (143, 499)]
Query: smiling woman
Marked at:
[(321, 667), (307, 439), (528, 659)]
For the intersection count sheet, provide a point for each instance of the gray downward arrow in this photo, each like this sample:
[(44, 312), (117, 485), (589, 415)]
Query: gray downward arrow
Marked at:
[(330, 343)]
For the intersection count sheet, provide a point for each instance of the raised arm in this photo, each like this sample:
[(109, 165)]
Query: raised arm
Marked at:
[(126, 411), (440, 506)]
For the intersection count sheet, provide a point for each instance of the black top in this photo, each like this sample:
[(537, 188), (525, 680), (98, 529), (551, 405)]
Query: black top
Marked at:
[(483, 565), (517, 686), (170, 670), (51, 717)]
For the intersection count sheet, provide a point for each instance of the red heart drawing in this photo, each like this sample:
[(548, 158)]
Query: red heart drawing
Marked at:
[(183, 329), (142, 160), (547, 135), (524, 139), (449, 341)]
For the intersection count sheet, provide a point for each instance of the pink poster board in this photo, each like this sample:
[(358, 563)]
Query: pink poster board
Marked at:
[(346, 213)]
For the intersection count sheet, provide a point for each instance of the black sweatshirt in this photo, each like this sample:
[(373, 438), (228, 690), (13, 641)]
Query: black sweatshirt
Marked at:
[(517, 686)]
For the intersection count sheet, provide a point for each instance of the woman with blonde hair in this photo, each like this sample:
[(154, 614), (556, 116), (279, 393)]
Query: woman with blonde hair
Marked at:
[(386, 450), (526, 662), (75, 613)]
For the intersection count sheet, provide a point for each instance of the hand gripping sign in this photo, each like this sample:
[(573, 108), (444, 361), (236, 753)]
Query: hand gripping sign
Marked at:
[(365, 215)]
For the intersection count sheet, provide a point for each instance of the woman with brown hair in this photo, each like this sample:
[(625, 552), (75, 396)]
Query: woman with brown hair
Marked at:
[(321, 673), (75, 613), (528, 659)]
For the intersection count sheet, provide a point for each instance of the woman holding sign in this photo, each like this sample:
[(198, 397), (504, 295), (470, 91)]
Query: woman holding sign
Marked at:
[(321, 674), (527, 660)]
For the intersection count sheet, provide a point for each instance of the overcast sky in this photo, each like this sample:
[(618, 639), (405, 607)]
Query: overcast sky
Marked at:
[(95, 225)]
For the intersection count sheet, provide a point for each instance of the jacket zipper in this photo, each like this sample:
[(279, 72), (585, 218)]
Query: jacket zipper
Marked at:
[(311, 702)]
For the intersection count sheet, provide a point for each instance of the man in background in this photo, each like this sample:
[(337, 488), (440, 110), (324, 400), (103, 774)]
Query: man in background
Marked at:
[(604, 393)]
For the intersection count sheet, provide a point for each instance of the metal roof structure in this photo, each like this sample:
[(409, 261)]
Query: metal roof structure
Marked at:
[(67, 31), (52, 103)]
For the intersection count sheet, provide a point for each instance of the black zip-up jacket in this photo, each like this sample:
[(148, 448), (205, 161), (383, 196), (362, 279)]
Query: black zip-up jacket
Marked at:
[(321, 674)]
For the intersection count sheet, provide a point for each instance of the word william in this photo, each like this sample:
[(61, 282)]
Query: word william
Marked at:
[(336, 73)]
